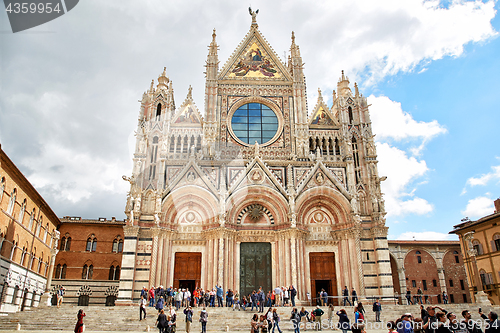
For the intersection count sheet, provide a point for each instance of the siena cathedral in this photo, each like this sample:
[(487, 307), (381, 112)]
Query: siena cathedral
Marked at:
[(255, 191)]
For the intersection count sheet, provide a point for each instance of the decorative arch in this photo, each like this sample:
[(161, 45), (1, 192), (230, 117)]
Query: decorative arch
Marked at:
[(323, 200), (198, 201), (273, 203), (148, 202)]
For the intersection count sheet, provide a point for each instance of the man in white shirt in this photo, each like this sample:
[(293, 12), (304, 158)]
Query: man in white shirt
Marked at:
[(277, 295)]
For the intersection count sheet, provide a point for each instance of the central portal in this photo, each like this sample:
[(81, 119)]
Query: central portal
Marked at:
[(255, 267)]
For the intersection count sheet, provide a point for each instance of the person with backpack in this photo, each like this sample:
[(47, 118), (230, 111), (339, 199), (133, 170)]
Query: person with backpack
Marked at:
[(295, 319), (359, 318), (189, 318), (276, 320), (203, 320), (317, 317)]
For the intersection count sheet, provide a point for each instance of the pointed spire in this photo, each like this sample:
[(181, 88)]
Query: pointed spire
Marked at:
[(356, 90), (293, 38), (343, 86), (152, 87), (334, 96), (163, 79), (190, 93), (320, 96)]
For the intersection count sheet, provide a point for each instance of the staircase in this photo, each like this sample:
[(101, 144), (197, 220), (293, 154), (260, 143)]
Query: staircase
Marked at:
[(126, 318)]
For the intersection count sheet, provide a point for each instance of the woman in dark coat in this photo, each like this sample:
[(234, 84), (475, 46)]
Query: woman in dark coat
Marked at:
[(344, 323), (161, 321), (79, 323)]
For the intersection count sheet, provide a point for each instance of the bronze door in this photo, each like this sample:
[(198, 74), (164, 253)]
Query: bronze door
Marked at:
[(255, 267)]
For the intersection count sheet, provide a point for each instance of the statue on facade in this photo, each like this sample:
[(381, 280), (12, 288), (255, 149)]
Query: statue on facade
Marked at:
[(253, 14)]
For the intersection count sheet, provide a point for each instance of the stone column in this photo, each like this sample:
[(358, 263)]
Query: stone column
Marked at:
[(46, 298), (402, 284), (294, 261), (220, 272), (237, 266), (357, 245), (155, 232), (127, 274), (159, 264), (383, 261)]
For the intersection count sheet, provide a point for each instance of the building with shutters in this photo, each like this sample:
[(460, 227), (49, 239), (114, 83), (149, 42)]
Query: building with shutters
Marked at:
[(256, 189), (480, 242)]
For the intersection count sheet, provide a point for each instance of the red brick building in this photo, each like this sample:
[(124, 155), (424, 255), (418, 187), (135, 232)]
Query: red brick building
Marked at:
[(88, 264), (433, 266)]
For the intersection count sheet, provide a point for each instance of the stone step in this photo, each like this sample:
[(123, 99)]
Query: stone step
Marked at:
[(126, 318)]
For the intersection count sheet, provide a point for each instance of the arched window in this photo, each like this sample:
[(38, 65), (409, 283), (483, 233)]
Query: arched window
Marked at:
[(495, 244), (91, 244), (46, 233), (21, 212), (2, 188), (476, 245), (63, 244), (12, 201), (117, 245), (172, 144), (351, 118), (32, 218), (39, 227), (355, 154), (68, 244), (158, 110), (85, 272), (63, 271), (418, 252), (57, 274), (114, 273)]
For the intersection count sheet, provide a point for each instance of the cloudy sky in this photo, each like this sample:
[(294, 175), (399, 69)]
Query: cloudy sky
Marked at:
[(69, 92)]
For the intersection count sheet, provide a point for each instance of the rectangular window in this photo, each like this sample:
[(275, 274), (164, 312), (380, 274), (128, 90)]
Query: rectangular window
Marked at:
[(465, 298), (419, 259), (451, 283), (434, 283), (462, 285), (424, 283), (457, 260), (414, 283), (452, 299)]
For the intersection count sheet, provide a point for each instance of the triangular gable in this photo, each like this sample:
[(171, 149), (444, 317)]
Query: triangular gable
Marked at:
[(257, 173), (191, 174), (323, 177), (254, 58), (321, 115), (188, 114)]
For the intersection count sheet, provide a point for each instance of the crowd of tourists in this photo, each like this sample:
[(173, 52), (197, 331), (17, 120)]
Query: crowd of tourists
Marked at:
[(217, 297)]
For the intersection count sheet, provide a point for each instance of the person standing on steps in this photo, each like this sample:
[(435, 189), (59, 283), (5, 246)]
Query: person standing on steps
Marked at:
[(345, 293), (276, 320), (79, 327), (189, 318), (161, 321), (354, 296), (60, 294), (317, 317), (377, 307), (142, 308), (203, 320), (293, 294)]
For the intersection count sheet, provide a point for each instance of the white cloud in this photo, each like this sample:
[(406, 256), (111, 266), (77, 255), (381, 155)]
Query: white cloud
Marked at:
[(479, 207), (485, 178), (390, 121), (402, 171), (425, 235)]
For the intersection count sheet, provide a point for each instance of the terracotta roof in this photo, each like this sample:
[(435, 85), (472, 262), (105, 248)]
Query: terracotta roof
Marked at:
[(468, 224)]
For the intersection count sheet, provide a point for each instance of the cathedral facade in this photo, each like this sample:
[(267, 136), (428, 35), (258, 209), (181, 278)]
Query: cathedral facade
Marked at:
[(255, 191)]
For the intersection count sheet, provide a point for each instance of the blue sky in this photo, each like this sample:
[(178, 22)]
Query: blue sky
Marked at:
[(69, 92)]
